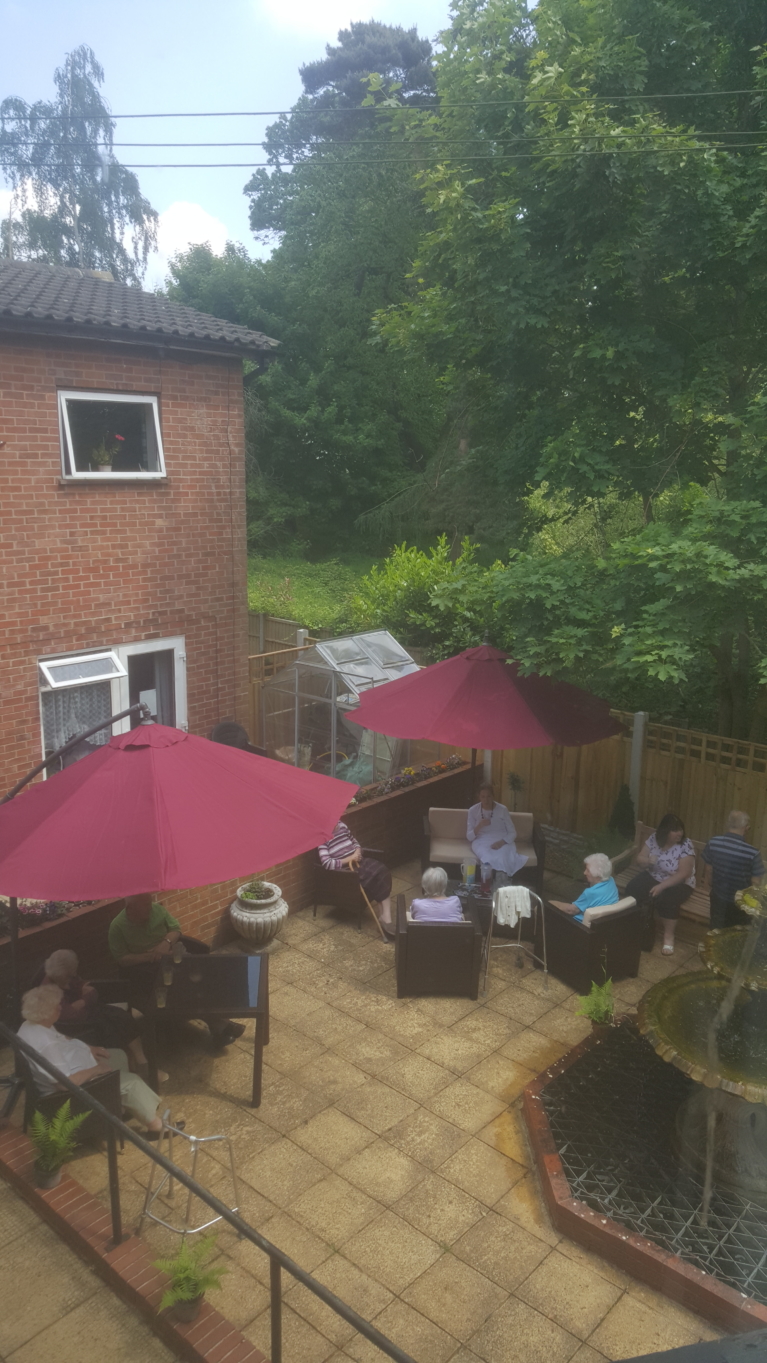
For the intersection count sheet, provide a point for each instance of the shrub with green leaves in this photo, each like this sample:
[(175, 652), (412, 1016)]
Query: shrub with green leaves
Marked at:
[(598, 1004), (256, 889), (189, 1273), (54, 1140)]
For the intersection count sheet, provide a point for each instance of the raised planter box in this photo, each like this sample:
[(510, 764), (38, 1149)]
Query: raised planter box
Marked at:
[(83, 930), (394, 822)]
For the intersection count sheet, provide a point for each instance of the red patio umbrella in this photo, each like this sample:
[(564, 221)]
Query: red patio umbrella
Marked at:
[(160, 809), (480, 700)]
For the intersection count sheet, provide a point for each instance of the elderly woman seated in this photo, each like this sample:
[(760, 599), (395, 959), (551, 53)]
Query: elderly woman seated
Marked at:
[(83, 1016), (436, 906), (342, 852), (40, 1009), (602, 889)]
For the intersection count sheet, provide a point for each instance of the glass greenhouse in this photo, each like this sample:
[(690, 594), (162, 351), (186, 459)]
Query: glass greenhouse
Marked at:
[(306, 707)]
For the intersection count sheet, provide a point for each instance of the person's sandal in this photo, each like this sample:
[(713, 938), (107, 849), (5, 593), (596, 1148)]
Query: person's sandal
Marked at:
[(666, 950)]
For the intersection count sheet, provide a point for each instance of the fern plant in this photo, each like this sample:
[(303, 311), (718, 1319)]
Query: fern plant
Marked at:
[(189, 1276), (599, 1004), (54, 1140)]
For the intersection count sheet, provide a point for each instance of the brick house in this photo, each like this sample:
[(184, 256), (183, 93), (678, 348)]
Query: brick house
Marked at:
[(122, 507)]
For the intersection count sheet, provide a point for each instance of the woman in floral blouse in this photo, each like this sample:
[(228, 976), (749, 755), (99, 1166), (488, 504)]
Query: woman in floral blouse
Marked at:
[(669, 877)]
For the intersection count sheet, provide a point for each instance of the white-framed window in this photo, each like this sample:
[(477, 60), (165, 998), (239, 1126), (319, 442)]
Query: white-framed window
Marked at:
[(78, 690), (109, 435), (89, 667)]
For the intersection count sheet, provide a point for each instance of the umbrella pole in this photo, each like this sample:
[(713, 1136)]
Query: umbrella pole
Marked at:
[(13, 995)]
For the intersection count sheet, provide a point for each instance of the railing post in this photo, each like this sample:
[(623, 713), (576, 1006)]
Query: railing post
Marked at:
[(114, 1188), (275, 1286)]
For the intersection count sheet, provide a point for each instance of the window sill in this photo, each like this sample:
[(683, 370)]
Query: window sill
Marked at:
[(128, 479)]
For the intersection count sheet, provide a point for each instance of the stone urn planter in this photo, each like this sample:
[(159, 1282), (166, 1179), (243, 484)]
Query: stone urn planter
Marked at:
[(258, 920)]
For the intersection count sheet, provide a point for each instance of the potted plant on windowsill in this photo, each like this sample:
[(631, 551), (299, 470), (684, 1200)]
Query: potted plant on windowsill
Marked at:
[(103, 455), (259, 911), (190, 1277), (54, 1142)]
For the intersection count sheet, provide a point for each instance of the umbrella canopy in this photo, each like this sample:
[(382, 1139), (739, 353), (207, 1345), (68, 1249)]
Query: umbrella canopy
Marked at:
[(480, 700), (160, 809)]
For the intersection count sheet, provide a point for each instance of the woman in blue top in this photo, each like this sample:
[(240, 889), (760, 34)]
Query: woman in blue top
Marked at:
[(602, 889)]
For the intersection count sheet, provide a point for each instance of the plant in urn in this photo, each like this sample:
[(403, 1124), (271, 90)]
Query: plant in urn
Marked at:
[(258, 912)]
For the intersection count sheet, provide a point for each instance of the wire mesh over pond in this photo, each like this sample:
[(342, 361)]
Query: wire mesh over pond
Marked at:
[(612, 1115)]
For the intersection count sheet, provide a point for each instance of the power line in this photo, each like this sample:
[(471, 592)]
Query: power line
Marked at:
[(329, 163), (415, 108), (613, 133)]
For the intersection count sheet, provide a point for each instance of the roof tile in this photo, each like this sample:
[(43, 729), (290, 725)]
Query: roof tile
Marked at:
[(59, 296)]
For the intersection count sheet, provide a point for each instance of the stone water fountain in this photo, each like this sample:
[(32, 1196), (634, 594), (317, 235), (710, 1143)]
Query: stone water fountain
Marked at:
[(713, 1025)]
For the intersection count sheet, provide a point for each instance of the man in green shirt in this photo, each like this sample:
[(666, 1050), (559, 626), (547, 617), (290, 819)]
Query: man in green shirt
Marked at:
[(141, 934)]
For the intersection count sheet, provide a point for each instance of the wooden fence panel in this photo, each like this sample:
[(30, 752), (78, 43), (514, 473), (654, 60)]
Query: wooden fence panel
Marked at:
[(573, 788)]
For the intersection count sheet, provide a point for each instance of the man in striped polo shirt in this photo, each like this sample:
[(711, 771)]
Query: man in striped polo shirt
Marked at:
[(732, 864)]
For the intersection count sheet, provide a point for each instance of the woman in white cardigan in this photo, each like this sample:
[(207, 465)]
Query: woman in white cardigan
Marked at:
[(492, 835)]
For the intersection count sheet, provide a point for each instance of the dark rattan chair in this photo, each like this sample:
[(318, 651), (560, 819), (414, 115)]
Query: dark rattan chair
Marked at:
[(580, 953), (438, 959), (343, 890), (105, 1088)]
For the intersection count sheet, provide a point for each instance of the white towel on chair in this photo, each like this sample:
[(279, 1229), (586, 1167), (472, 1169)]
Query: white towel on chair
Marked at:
[(510, 903)]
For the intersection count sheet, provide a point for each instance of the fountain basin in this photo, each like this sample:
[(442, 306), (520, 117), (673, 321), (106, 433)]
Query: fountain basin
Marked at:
[(676, 1015)]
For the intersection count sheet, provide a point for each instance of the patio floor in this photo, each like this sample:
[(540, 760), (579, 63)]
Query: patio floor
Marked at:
[(389, 1159)]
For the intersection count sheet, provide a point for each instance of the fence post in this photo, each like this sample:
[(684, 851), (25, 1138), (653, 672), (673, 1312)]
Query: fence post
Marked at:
[(261, 633), (302, 636), (641, 718)]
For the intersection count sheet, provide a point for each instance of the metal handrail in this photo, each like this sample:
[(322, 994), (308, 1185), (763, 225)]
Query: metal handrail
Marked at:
[(277, 1258)]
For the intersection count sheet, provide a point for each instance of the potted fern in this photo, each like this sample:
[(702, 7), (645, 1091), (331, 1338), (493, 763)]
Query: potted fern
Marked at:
[(190, 1277), (54, 1142), (598, 1005)]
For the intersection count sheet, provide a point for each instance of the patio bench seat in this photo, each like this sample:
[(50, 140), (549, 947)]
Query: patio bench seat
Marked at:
[(445, 843)]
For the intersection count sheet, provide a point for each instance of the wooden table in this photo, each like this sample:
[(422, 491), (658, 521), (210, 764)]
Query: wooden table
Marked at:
[(226, 986)]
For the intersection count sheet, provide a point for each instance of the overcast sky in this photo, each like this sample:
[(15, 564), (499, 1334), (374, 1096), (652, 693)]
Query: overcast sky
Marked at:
[(187, 56)]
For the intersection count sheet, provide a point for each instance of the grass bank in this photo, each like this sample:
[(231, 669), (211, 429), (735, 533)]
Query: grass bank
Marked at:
[(316, 594)]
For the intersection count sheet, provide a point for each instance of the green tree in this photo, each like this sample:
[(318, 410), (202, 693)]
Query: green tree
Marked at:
[(592, 290), (77, 205), (339, 425)]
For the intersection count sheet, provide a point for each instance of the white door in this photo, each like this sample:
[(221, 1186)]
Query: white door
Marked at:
[(155, 674)]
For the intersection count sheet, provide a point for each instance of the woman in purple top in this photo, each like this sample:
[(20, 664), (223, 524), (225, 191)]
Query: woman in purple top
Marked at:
[(436, 907), (667, 877)]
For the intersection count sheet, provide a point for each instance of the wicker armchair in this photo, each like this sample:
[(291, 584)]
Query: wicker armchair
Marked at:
[(438, 959)]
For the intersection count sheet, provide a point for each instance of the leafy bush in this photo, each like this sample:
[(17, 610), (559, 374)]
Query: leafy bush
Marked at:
[(623, 818), (402, 596), (54, 1140), (189, 1277), (256, 889)]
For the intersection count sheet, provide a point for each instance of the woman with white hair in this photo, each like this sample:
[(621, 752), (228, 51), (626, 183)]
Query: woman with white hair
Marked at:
[(40, 1009), (436, 906), (602, 889), (83, 1016)]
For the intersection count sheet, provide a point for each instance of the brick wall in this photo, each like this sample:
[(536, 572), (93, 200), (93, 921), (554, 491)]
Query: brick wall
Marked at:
[(100, 564)]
